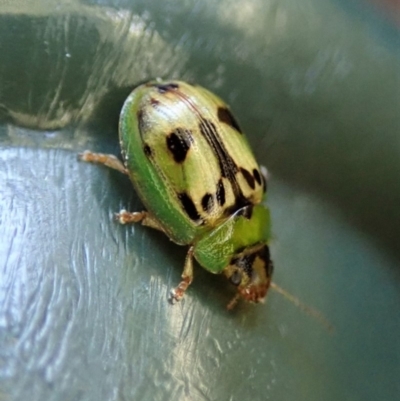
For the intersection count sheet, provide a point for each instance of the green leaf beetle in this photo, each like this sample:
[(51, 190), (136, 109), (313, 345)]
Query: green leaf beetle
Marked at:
[(194, 171)]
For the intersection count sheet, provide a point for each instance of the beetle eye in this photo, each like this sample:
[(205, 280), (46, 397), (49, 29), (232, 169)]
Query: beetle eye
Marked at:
[(236, 277)]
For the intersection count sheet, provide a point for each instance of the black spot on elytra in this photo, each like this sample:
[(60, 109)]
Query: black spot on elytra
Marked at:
[(140, 115), (147, 150), (240, 203), (220, 194), (188, 206), (225, 116), (248, 177), (227, 165), (178, 143), (246, 212), (154, 102), (140, 118), (257, 176), (166, 87), (207, 202)]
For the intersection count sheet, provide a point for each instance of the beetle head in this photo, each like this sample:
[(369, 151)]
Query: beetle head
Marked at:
[(250, 271)]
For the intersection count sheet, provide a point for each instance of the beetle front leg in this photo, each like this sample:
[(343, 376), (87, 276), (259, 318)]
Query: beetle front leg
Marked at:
[(145, 218), (187, 277), (101, 158)]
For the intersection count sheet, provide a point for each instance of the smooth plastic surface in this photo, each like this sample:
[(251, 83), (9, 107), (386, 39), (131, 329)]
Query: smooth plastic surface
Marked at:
[(83, 301)]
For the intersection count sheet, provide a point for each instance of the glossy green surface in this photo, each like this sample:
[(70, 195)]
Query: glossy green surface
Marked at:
[(154, 191), (83, 301), (215, 250)]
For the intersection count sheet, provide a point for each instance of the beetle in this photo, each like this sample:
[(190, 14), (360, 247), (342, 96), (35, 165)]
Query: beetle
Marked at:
[(194, 171)]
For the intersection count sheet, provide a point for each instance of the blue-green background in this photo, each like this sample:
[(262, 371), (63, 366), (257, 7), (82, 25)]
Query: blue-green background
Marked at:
[(83, 301)]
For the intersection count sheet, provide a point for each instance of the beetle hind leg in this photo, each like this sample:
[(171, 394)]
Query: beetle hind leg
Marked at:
[(187, 277), (101, 158)]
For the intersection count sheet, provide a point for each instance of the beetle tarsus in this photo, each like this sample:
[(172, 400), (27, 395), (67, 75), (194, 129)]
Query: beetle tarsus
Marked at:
[(187, 277), (172, 297), (124, 217), (102, 158), (177, 293)]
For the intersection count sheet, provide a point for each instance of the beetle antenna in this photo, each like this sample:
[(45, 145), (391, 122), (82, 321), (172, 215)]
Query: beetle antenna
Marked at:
[(316, 314), (233, 302)]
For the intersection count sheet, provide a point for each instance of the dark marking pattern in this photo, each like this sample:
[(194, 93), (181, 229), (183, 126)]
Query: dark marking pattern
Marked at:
[(225, 116), (245, 262), (257, 176), (248, 177), (147, 150), (178, 143), (240, 203), (220, 193), (226, 164), (166, 87), (141, 124), (246, 212), (207, 202), (154, 102), (188, 206)]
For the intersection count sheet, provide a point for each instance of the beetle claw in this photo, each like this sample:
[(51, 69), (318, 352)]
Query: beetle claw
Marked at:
[(119, 216), (174, 296)]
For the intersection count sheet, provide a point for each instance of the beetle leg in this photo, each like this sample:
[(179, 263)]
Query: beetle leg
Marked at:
[(125, 217), (145, 218), (101, 158), (187, 277)]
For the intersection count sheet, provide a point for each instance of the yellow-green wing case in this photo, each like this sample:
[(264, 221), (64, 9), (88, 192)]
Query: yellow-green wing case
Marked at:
[(248, 175), (186, 156)]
